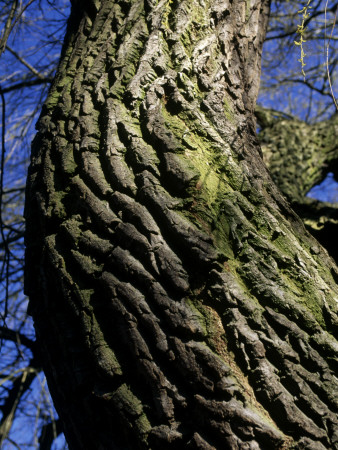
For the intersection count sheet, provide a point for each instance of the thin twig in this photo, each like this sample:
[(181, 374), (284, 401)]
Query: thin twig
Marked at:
[(327, 53), (5, 265), (25, 63), (8, 27), (10, 23)]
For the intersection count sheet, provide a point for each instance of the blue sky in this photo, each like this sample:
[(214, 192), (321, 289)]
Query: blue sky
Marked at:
[(32, 54)]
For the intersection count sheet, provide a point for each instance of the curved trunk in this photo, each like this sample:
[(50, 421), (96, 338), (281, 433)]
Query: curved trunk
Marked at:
[(178, 301)]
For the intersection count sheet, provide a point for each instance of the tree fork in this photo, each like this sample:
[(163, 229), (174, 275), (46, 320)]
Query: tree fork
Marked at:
[(178, 301)]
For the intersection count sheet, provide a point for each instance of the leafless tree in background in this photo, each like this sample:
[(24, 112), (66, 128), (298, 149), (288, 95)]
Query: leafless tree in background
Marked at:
[(30, 44)]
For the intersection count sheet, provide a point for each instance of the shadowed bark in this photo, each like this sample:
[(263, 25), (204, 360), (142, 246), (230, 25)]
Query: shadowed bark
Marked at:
[(178, 300)]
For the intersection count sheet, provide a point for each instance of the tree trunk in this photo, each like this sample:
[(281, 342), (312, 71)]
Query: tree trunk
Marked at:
[(178, 301)]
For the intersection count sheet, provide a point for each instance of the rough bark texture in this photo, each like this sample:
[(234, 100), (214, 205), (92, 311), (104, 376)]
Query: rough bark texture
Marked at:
[(299, 156), (178, 301)]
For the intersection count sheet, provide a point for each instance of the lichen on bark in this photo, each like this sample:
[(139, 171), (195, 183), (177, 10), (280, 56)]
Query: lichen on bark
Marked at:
[(177, 298), (299, 156)]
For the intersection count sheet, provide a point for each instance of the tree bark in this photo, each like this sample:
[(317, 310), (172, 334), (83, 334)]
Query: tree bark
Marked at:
[(299, 156), (178, 300)]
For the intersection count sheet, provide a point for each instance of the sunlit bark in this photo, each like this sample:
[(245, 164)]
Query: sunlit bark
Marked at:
[(178, 300), (299, 156)]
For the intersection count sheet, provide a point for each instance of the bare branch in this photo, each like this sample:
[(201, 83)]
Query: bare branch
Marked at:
[(8, 27), (25, 63), (20, 385), (17, 338)]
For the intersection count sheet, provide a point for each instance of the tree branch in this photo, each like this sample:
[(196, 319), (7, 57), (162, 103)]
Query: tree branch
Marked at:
[(24, 84), (20, 385), (25, 63), (18, 338), (8, 27), (49, 432)]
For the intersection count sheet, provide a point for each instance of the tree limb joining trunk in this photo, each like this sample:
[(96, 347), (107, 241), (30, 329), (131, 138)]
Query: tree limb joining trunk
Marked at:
[(299, 156)]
